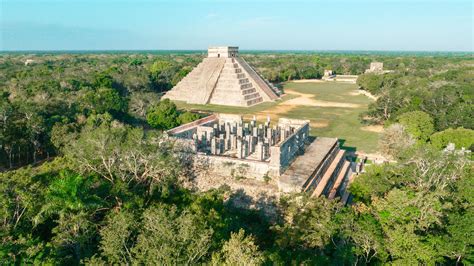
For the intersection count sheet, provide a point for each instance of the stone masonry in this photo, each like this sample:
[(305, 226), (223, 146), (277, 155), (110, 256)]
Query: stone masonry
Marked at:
[(282, 152), (375, 67), (223, 78)]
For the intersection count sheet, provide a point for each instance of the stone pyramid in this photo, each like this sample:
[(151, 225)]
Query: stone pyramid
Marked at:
[(223, 78)]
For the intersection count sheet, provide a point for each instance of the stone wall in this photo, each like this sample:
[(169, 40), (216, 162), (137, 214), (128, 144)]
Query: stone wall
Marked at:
[(375, 67), (186, 131), (223, 51), (292, 143), (237, 168)]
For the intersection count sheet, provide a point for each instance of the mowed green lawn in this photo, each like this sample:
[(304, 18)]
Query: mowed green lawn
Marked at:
[(340, 122), (232, 109), (343, 123)]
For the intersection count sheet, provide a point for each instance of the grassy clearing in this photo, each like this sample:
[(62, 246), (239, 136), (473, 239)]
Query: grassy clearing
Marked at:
[(343, 123), (339, 122), (232, 109), (330, 91)]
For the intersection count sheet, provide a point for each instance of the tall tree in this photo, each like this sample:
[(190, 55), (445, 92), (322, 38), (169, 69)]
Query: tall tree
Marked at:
[(171, 237), (239, 250)]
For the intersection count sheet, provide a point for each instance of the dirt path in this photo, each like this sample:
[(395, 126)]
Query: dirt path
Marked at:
[(373, 128), (363, 92), (308, 100), (302, 99), (308, 80)]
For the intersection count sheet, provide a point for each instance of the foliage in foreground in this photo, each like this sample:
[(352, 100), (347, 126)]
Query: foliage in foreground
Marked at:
[(105, 202)]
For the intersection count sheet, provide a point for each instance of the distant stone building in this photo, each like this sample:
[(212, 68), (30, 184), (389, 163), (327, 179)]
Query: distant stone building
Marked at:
[(329, 75), (375, 67), (29, 62), (223, 78), (283, 152)]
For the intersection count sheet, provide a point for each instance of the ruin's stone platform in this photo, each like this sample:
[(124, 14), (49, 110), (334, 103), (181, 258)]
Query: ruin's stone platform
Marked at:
[(295, 178), (225, 145)]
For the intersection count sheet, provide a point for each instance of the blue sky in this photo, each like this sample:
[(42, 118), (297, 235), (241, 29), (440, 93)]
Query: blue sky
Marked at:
[(260, 24)]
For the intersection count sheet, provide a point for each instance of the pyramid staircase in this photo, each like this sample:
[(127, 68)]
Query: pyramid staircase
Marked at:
[(234, 87), (321, 171)]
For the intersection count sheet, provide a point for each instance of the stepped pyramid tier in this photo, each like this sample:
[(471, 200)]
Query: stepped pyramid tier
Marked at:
[(223, 78)]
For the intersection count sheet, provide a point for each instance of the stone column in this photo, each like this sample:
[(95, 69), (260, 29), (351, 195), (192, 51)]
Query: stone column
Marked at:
[(259, 151), (282, 134), (249, 141), (233, 142), (266, 150), (245, 152), (228, 130), (220, 143), (204, 142), (276, 131), (221, 127), (216, 129), (253, 122), (226, 144), (221, 146), (239, 148), (195, 143), (240, 131), (269, 136), (213, 146)]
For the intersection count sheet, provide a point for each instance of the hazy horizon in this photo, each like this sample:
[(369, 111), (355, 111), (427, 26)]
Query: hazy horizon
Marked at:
[(146, 25), (204, 50)]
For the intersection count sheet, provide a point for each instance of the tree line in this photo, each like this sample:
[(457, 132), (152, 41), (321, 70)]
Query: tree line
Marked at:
[(41, 103), (435, 104)]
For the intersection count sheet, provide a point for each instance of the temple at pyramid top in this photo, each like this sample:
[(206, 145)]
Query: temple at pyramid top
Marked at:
[(223, 78), (223, 51)]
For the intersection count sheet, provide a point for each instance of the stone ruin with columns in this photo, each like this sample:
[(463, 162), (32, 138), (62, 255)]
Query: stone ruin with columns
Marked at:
[(282, 152)]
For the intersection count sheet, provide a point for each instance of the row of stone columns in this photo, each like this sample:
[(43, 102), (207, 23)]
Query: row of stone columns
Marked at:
[(242, 139)]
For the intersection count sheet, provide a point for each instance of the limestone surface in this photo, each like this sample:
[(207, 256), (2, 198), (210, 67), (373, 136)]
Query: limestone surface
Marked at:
[(223, 78), (283, 153)]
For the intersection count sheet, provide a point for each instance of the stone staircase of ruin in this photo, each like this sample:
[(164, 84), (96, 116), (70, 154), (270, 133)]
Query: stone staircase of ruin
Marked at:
[(343, 192), (313, 181), (234, 87), (306, 172), (330, 173), (335, 187)]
